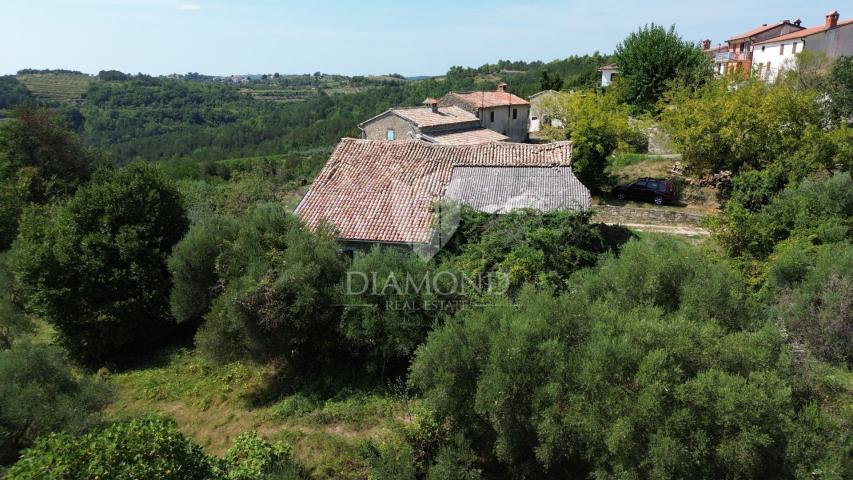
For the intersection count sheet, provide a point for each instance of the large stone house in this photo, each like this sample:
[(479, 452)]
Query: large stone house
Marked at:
[(385, 192), (497, 110), (447, 125), (834, 38)]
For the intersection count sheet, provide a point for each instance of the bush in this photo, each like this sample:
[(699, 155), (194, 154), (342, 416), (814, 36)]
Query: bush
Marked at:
[(13, 321), (193, 267), (454, 461), (527, 247), (40, 394), (817, 208), (41, 160), (390, 460), (145, 449), (150, 448), (95, 266), (279, 298), (678, 379), (388, 311), (817, 311)]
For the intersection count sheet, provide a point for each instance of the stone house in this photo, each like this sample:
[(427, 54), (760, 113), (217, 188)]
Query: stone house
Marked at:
[(609, 73), (498, 110), (431, 123), (385, 192)]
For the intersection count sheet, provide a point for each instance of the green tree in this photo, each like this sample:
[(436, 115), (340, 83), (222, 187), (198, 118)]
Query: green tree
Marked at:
[(39, 394), (653, 57), (193, 267), (40, 160), (656, 364), (95, 266), (14, 323), (719, 127), (594, 122), (839, 87), (279, 297)]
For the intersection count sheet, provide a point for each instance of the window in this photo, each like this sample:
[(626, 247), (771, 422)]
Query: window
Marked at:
[(390, 134), (769, 71), (762, 48), (515, 114), (492, 117), (782, 49), (794, 47)]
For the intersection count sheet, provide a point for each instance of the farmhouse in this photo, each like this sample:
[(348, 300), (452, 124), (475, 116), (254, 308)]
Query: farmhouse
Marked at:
[(385, 192), (497, 110), (448, 125)]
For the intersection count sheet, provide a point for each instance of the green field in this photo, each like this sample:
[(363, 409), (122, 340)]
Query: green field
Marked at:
[(56, 87)]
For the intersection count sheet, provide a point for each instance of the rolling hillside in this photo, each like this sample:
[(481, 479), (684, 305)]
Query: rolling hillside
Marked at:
[(52, 87)]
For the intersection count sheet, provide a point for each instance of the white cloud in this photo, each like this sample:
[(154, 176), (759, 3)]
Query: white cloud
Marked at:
[(189, 7)]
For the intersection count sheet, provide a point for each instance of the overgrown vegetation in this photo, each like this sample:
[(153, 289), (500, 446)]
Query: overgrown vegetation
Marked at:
[(193, 292)]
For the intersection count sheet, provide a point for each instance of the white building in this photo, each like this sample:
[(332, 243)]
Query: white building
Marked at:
[(834, 38), (608, 74)]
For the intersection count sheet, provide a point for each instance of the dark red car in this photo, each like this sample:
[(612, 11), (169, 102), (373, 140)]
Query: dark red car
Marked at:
[(651, 189)]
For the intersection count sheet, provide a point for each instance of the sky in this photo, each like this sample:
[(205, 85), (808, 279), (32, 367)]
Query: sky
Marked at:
[(351, 37)]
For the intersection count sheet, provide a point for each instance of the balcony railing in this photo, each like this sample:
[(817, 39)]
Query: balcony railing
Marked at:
[(733, 56)]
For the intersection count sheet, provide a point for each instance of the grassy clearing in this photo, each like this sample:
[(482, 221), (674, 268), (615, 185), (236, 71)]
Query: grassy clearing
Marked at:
[(56, 87), (212, 404), (627, 167)]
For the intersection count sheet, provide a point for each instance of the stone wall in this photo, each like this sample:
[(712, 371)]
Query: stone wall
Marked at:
[(378, 129), (657, 216)]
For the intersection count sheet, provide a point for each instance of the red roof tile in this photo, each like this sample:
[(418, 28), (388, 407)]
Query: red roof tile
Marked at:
[(806, 32), (757, 30), (425, 117), (471, 136), (384, 191), (488, 99)]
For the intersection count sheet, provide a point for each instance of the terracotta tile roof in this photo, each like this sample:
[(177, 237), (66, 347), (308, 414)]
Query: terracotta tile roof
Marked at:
[(503, 189), (425, 117), (471, 136), (806, 32), (609, 66), (488, 99), (384, 191), (758, 30)]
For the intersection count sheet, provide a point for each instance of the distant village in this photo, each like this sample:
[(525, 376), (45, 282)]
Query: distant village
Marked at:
[(475, 148)]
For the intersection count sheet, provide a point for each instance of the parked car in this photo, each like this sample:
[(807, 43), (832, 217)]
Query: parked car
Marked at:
[(651, 189)]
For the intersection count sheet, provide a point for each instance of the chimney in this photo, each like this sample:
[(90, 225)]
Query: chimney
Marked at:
[(798, 22), (432, 103), (502, 87), (706, 44), (832, 19)]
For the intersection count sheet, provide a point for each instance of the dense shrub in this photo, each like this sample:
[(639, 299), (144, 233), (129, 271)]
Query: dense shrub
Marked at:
[(528, 247), (390, 460), (279, 297), (41, 160), (39, 394), (145, 449), (391, 299), (677, 380), (733, 124), (815, 309), (95, 266), (13, 321), (818, 208), (193, 267), (150, 448)]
